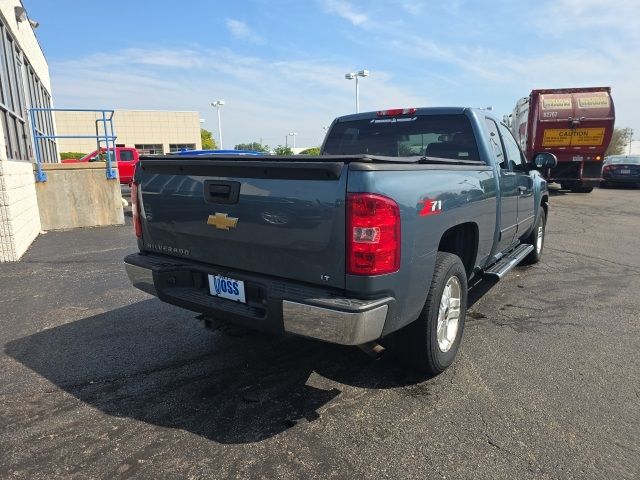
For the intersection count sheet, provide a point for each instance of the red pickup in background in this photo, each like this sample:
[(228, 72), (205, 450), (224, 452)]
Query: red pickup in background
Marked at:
[(126, 159)]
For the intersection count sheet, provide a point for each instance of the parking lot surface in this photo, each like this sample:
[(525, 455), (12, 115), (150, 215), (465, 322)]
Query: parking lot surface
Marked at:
[(99, 380)]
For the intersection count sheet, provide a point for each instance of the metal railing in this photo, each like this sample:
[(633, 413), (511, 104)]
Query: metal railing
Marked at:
[(108, 136)]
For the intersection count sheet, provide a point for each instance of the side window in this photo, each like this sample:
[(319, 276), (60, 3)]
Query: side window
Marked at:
[(496, 144), (514, 155), (126, 155)]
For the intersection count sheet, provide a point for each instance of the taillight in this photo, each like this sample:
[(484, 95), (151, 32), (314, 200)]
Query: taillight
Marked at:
[(394, 112), (373, 234), (135, 210), (606, 168)]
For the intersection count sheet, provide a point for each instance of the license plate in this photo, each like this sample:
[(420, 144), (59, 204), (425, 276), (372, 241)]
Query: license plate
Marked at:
[(577, 158), (625, 171), (226, 287)]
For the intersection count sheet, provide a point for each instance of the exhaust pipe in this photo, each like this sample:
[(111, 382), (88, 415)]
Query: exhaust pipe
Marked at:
[(373, 349)]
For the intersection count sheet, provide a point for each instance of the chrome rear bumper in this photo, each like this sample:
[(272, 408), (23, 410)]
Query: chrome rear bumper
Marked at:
[(141, 278), (336, 326), (337, 320)]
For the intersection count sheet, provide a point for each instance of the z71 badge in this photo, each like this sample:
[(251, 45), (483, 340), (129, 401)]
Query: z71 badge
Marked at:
[(430, 207)]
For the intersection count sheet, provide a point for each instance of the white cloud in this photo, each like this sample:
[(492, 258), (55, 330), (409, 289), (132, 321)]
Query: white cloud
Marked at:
[(411, 7), (346, 11), (560, 44), (264, 99), (241, 30), (561, 17)]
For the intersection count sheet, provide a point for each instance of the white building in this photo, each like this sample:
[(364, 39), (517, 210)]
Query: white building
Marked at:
[(24, 83), (151, 132)]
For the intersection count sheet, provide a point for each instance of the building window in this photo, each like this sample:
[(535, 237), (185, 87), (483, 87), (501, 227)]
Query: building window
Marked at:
[(20, 89), (178, 147), (149, 149)]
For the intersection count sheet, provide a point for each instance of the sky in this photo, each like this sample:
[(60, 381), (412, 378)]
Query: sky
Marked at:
[(280, 65)]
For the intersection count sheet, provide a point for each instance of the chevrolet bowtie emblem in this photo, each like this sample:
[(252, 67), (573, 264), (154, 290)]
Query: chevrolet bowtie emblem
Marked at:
[(222, 221)]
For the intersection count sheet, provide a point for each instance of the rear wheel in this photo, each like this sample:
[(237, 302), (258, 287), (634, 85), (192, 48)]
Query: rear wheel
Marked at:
[(430, 344), (536, 238)]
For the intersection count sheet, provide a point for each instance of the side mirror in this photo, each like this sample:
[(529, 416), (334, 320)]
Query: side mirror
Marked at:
[(545, 160)]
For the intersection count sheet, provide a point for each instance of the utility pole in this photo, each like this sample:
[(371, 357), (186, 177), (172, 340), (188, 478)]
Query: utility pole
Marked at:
[(217, 104)]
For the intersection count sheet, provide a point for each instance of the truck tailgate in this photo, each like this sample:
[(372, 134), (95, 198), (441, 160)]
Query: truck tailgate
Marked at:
[(285, 219)]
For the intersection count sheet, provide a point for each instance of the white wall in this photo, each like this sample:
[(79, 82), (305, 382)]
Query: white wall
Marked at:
[(19, 216)]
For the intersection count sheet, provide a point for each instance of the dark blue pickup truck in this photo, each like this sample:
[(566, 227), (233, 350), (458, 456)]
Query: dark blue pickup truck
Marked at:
[(376, 238)]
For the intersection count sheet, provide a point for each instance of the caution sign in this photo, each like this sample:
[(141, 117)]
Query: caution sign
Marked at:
[(601, 101), (566, 137), (556, 103)]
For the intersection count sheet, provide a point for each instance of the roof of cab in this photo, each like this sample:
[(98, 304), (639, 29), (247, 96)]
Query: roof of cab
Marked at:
[(419, 111)]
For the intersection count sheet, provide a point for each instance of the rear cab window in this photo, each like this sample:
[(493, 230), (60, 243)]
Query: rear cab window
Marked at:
[(443, 136)]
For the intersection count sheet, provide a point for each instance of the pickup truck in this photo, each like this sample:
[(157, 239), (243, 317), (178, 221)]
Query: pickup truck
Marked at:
[(376, 238), (126, 159)]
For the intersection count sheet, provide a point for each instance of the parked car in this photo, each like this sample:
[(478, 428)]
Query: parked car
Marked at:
[(126, 159), (376, 238), (619, 169)]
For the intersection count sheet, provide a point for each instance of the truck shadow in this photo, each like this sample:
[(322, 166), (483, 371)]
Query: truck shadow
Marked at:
[(155, 363)]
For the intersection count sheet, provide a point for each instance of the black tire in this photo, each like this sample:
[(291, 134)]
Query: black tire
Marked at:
[(532, 239), (604, 184), (417, 345)]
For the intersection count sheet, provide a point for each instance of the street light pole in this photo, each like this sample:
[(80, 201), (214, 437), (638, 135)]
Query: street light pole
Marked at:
[(354, 76), (217, 104), (293, 134)]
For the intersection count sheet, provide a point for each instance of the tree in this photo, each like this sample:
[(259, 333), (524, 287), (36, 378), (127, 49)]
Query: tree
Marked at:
[(208, 142), (281, 150), (255, 146), (619, 140), (311, 151)]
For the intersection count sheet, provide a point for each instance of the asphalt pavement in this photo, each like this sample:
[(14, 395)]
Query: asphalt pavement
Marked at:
[(99, 380)]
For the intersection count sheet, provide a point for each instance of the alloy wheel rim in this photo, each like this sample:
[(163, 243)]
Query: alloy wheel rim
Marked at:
[(449, 314)]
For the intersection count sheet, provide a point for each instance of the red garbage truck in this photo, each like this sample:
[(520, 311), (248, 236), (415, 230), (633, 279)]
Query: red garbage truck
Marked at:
[(575, 124)]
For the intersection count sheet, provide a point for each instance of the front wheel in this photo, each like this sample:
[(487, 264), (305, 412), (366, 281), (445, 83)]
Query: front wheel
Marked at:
[(536, 238), (430, 343)]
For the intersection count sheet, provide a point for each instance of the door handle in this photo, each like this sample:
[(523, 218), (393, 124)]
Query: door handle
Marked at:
[(522, 189)]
